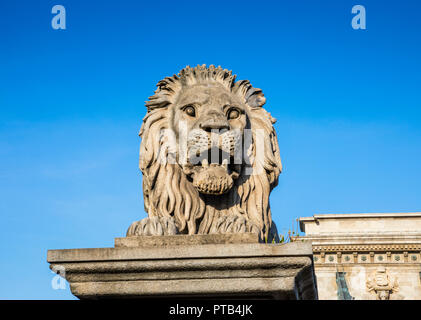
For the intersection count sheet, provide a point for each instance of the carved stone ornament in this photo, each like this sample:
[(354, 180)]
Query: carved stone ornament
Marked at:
[(382, 284), (209, 157)]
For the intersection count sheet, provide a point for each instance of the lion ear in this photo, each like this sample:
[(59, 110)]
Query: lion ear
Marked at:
[(255, 98)]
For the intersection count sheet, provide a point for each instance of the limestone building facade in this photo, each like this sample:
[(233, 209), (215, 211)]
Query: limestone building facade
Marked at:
[(368, 256)]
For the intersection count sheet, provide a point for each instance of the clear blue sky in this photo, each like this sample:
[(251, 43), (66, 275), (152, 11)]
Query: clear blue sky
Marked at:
[(348, 104)]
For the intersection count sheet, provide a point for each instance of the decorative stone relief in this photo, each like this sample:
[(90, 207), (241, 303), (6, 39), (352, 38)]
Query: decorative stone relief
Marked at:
[(382, 284)]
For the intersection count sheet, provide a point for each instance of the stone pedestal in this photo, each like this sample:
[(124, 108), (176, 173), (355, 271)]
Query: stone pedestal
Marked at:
[(183, 266)]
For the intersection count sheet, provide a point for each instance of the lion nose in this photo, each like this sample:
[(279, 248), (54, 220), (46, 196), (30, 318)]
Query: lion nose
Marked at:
[(216, 122), (218, 125)]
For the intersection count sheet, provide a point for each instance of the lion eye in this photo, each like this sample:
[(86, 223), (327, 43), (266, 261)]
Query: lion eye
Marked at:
[(233, 114), (190, 111)]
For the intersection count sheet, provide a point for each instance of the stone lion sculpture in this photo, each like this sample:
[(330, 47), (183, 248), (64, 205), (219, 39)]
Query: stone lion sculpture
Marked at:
[(209, 157)]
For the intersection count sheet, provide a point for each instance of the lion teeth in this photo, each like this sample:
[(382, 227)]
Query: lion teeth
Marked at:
[(225, 163), (205, 163)]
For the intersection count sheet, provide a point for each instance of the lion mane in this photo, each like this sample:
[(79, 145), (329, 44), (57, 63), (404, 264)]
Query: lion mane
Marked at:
[(167, 191)]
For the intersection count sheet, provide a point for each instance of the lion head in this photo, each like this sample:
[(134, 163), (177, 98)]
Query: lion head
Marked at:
[(209, 156)]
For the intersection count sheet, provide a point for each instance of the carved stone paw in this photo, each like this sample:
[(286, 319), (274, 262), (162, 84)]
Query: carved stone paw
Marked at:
[(233, 224), (153, 226)]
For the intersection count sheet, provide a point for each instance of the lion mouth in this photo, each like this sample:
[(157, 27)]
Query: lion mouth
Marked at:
[(212, 171)]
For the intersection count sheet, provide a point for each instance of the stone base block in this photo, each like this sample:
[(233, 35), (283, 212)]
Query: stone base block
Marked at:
[(186, 240), (217, 266)]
